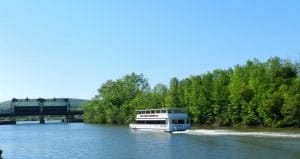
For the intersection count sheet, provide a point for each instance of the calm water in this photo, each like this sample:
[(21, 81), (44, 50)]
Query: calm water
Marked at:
[(83, 141)]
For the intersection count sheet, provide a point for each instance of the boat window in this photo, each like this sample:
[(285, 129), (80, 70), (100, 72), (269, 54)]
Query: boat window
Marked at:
[(179, 121), (143, 112), (163, 111), (150, 121), (147, 112), (152, 111), (157, 111)]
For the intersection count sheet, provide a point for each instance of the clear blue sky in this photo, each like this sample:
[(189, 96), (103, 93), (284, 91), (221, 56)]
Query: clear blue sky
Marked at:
[(68, 48)]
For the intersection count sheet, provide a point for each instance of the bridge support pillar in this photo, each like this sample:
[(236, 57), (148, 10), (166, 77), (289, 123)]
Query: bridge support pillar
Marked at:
[(71, 118), (42, 119), (12, 120), (66, 119)]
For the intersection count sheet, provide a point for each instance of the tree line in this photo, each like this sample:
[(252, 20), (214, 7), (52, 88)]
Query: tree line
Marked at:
[(253, 94)]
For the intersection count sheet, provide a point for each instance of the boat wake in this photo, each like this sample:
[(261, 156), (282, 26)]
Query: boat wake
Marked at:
[(203, 132)]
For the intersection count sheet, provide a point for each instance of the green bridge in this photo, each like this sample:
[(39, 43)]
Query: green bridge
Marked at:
[(67, 108)]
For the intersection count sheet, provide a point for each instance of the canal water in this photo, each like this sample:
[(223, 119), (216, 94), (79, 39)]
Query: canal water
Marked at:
[(85, 141)]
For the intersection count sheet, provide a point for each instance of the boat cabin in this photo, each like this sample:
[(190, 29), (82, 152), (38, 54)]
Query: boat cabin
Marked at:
[(166, 119)]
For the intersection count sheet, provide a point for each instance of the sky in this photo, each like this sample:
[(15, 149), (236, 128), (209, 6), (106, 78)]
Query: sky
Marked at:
[(69, 48)]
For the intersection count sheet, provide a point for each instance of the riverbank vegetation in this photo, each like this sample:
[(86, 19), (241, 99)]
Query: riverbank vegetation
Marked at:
[(253, 94)]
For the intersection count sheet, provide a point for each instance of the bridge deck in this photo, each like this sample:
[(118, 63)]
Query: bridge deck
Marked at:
[(33, 107)]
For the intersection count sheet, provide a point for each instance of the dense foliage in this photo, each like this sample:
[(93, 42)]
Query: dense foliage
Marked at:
[(256, 93)]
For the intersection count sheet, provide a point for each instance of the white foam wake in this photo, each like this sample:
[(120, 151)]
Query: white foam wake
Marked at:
[(205, 132)]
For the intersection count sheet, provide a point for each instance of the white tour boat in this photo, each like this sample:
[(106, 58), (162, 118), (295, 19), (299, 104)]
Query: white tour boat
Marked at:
[(165, 119)]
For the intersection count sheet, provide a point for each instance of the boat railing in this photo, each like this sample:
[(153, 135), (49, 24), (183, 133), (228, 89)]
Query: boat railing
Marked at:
[(162, 111)]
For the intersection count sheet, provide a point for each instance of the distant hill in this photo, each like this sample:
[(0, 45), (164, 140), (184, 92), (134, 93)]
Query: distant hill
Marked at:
[(75, 103), (5, 105)]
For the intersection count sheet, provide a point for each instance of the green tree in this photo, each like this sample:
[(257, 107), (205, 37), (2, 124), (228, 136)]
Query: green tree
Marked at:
[(172, 99), (255, 93), (291, 108), (220, 96), (159, 95), (111, 105)]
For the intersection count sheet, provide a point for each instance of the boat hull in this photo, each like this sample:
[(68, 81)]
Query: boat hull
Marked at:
[(159, 127), (149, 127)]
